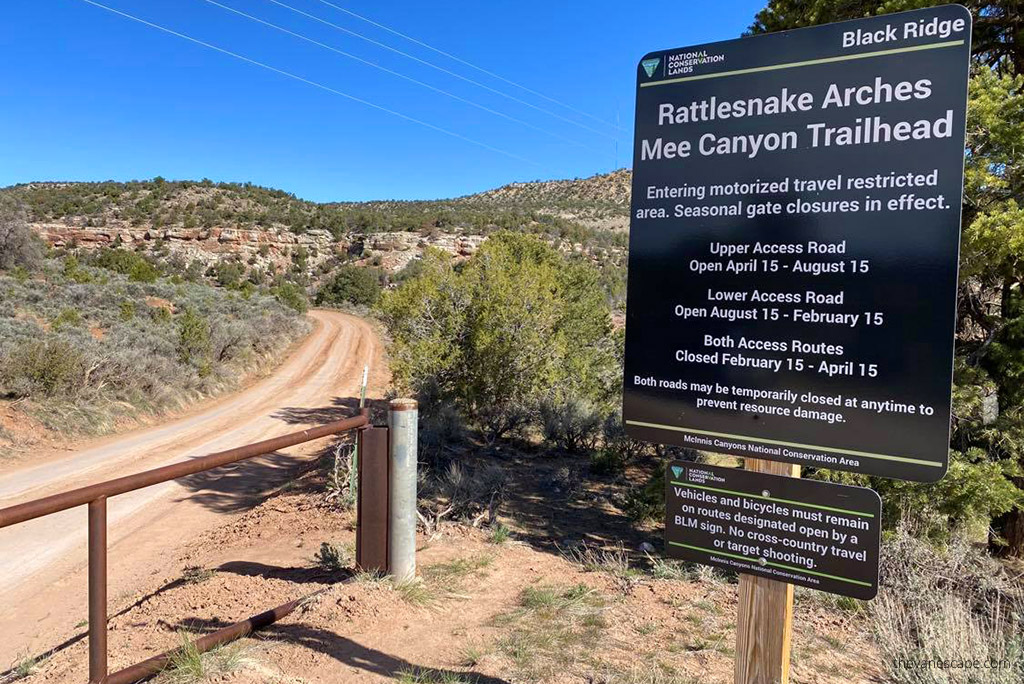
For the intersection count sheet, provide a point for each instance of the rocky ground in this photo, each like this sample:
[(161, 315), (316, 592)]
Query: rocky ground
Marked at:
[(258, 248)]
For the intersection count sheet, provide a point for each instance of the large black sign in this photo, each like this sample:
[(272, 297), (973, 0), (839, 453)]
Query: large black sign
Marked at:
[(815, 534), (794, 241)]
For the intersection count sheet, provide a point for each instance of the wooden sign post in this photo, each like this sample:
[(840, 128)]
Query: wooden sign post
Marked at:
[(764, 621), (777, 530)]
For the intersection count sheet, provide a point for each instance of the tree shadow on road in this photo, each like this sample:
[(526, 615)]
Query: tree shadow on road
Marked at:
[(555, 503), (339, 408), (239, 486)]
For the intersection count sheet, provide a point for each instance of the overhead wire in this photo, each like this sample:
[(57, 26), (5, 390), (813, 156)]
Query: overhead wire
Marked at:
[(402, 76), (469, 64), (315, 84), (444, 70)]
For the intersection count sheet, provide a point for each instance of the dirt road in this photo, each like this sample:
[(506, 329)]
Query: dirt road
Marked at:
[(42, 562)]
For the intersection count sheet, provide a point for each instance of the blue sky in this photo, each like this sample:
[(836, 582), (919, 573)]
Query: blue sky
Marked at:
[(89, 95)]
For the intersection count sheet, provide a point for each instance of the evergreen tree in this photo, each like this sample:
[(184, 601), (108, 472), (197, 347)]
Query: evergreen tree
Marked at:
[(986, 477), (519, 325)]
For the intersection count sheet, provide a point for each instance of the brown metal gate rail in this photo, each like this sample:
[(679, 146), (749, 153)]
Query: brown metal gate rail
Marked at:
[(95, 496)]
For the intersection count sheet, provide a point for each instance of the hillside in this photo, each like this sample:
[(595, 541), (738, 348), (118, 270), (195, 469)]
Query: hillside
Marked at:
[(600, 201), (197, 225), (597, 202), (88, 349), (205, 204)]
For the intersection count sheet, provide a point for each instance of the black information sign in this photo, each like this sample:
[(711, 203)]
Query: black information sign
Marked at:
[(815, 534), (794, 242)]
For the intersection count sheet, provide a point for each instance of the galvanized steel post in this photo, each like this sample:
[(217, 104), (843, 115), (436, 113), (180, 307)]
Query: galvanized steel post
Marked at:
[(403, 422)]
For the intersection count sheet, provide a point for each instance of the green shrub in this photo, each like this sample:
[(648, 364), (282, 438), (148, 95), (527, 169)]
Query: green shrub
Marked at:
[(441, 426), (74, 272), (606, 462), (228, 274), (499, 533), (194, 271), (647, 502), (571, 424), (194, 345), (292, 296), (332, 558), (47, 368), (160, 314), (67, 318), (350, 285), (413, 269), (126, 310), (517, 326), (19, 246), (126, 263)]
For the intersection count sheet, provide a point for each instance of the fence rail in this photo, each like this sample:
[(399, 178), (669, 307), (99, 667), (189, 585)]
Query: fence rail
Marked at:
[(95, 497)]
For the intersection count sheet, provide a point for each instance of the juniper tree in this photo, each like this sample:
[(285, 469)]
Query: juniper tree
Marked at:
[(985, 483), (517, 325)]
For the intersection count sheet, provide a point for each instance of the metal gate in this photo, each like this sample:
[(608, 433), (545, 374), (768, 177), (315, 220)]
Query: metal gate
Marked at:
[(371, 536)]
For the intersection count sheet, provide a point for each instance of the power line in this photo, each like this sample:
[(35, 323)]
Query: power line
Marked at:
[(401, 75), (469, 64), (312, 83), (442, 69)]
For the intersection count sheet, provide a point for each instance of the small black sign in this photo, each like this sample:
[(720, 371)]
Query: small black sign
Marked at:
[(794, 244), (816, 534)]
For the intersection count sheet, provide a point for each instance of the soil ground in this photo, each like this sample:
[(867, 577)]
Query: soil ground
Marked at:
[(42, 561), (493, 613)]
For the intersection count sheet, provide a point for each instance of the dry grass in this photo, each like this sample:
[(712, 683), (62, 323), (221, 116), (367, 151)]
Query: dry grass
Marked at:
[(553, 630), (614, 561), (947, 606), (422, 675), (189, 666), (649, 673), (442, 581)]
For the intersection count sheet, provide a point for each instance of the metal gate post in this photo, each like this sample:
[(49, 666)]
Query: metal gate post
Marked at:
[(372, 500), (98, 590), (403, 424)]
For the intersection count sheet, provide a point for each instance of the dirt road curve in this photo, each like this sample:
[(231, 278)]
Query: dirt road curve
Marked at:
[(42, 562)]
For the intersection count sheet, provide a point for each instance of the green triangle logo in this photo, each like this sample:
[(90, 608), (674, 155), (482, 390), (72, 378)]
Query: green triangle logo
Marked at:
[(650, 65), (676, 470)]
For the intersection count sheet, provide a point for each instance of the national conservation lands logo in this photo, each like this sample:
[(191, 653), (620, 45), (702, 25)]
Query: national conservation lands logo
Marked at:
[(684, 62), (680, 63)]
